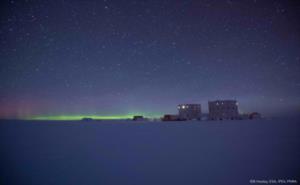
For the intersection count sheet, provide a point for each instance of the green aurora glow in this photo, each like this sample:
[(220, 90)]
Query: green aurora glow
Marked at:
[(80, 117)]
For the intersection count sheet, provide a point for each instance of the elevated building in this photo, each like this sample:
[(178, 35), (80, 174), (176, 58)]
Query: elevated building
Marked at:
[(223, 110), (189, 111)]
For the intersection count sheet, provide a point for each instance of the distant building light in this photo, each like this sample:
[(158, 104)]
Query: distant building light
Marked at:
[(189, 112)]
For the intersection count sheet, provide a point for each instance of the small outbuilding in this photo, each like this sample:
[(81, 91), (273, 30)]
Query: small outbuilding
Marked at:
[(255, 115), (170, 117), (139, 118)]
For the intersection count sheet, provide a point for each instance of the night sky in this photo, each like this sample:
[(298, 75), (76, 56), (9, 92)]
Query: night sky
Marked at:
[(122, 57)]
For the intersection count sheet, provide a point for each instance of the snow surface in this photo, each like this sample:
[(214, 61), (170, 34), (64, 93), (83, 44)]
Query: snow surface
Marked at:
[(154, 153)]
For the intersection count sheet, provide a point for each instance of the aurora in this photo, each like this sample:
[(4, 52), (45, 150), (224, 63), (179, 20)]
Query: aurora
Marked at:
[(80, 117), (107, 59)]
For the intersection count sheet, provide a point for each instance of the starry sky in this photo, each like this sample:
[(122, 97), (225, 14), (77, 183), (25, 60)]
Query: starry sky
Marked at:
[(125, 57)]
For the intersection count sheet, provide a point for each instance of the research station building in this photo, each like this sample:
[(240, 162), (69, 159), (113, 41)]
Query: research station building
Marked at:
[(189, 111), (223, 110)]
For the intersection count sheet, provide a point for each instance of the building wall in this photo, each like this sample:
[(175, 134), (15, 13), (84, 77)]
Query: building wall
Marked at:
[(223, 109), (189, 111)]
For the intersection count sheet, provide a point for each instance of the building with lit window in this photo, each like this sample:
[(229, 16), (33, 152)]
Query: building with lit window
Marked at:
[(189, 111), (223, 110)]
